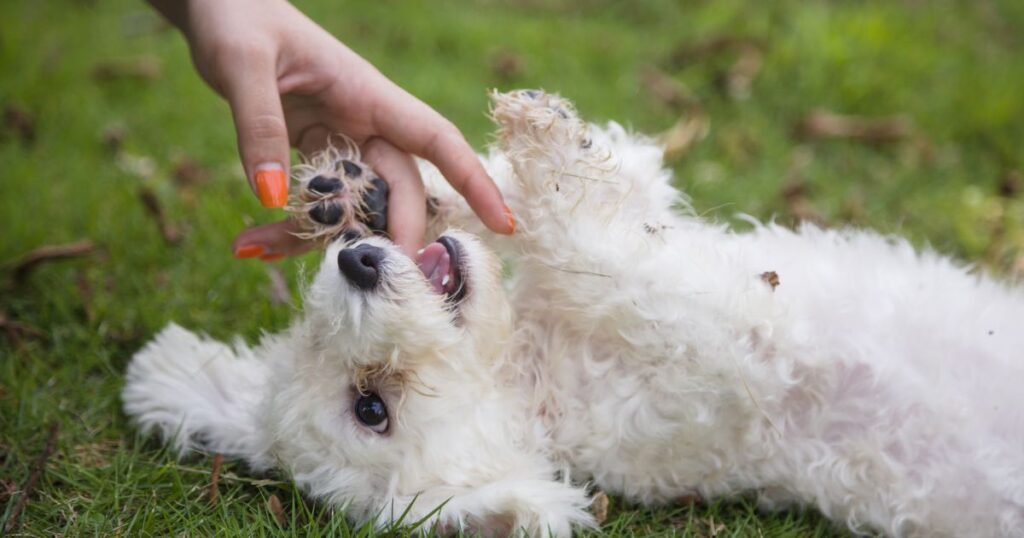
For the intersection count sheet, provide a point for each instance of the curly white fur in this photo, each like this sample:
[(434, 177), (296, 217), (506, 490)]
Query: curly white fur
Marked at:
[(640, 349)]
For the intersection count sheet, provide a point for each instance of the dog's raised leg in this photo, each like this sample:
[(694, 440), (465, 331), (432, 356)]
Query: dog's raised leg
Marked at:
[(595, 209)]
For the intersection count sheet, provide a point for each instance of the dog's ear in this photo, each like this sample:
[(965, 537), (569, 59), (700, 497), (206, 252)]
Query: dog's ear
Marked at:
[(199, 395)]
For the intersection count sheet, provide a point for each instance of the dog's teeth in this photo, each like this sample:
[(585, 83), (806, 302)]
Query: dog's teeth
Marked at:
[(420, 251), (444, 281)]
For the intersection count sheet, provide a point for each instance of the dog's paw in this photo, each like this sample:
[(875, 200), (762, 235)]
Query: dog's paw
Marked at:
[(338, 195), (538, 117), (558, 166)]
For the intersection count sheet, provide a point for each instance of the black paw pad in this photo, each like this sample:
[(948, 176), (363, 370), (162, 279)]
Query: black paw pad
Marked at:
[(328, 212), (375, 205), (325, 185), (352, 169)]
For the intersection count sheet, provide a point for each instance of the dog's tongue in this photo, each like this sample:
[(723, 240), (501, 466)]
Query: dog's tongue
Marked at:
[(436, 264)]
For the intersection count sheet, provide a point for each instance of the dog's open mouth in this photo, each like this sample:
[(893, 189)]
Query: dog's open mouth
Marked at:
[(441, 262)]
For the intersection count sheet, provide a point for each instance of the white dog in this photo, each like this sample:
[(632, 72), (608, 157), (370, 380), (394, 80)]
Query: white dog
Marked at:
[(638, 347)]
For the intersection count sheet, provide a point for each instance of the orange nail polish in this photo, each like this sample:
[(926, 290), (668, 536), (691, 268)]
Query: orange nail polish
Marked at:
[(272, 257), (272, 187), (249, 251), (511, 221)]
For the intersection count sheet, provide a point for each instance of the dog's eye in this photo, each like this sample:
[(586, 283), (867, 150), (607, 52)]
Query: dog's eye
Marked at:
[(371, 411)]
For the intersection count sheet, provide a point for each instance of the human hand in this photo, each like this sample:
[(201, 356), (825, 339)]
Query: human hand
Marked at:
[(290, 83)]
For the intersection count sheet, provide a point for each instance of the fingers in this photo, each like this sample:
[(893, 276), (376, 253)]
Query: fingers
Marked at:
[(270, 241), (250, 85), (416, 128), (407, 209)]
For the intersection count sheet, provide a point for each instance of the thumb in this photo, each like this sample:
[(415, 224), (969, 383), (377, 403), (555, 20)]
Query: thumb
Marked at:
[(262, 134)]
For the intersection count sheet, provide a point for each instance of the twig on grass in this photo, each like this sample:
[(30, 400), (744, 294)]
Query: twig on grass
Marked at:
[(825, 124), (218, 460), (15, 330), (85, 295), (33, 479), (258, 482), (46, 253), (170, 232), (143, 68)]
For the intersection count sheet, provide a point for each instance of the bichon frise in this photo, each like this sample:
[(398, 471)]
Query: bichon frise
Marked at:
[(635, 347)]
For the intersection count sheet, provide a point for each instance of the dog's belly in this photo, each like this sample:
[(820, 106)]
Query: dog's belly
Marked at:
[(909, 370), (639, 428)]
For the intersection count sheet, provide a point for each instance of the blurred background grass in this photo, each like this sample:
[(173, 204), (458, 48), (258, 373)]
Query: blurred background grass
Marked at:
[(101, 108)]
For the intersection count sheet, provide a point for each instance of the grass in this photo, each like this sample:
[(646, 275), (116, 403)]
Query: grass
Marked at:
[(952, 67)]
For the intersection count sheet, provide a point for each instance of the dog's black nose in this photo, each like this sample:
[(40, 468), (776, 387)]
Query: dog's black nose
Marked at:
[(361, 265)]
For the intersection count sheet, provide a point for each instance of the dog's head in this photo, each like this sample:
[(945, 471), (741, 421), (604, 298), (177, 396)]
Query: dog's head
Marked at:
[(394, 395)]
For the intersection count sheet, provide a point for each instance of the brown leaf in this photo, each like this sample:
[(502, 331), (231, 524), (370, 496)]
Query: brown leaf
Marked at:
[(688, 499), (170, 232), (47, 253), (687, 131), (1011, 184), (188, 172), (143, 68), (742, 73), (274, 505), (507, 65), (113, 136), (667, 90), (697, 51), (21, 122), (599, 507), (772, 278), (800, 206), (825, 124)]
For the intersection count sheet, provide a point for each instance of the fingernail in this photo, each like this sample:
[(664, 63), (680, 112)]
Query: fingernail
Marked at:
[(272, 257), (511, 221), (249, 251), (271, 185)]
